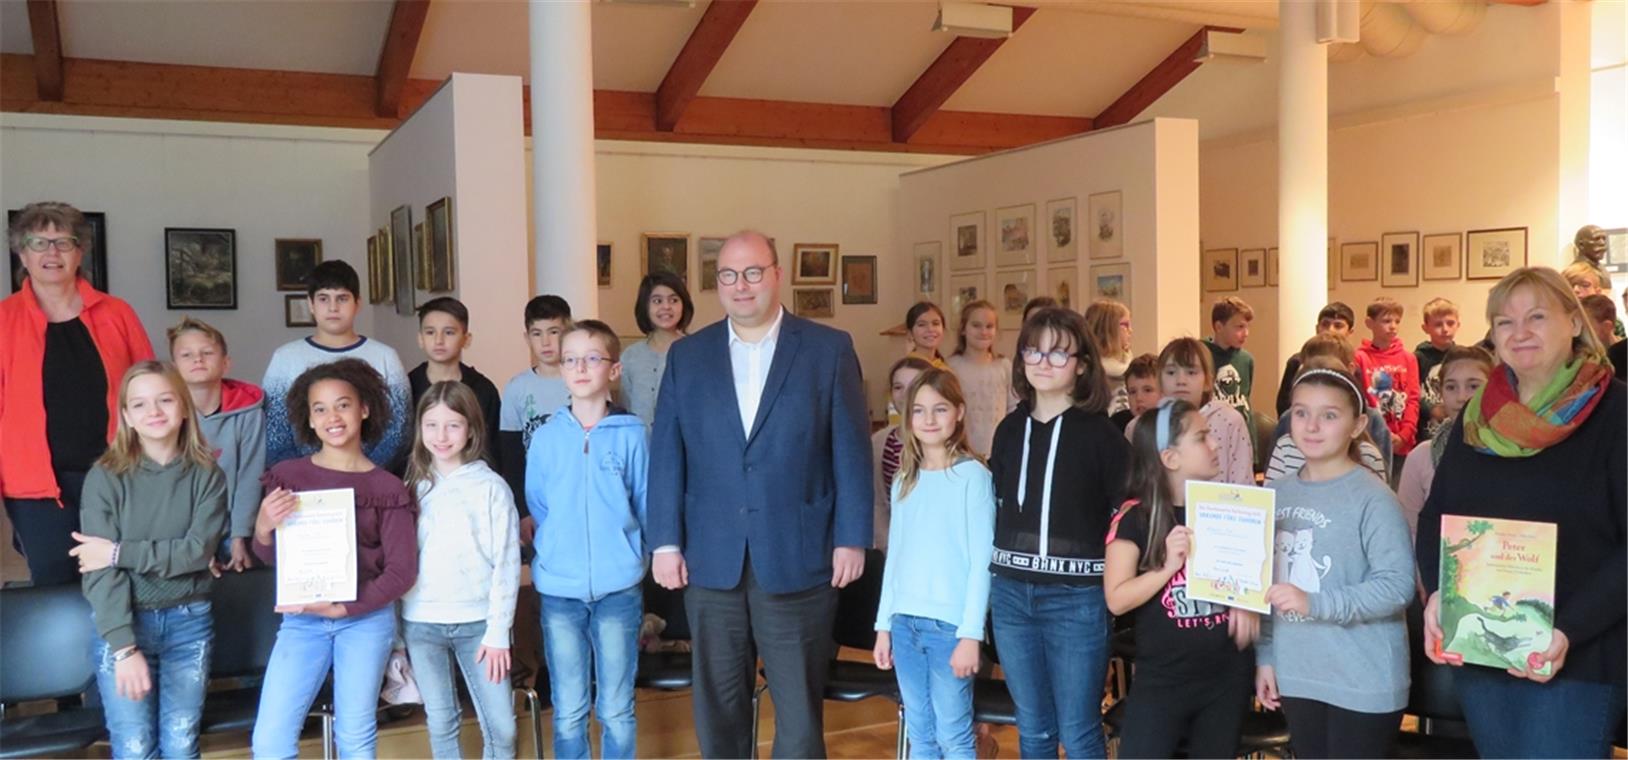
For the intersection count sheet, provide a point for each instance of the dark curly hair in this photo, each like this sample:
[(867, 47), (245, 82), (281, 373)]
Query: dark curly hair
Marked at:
[(370, 391)]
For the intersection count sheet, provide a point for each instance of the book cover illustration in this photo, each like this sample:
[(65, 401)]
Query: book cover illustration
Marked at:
[(1497, 589)]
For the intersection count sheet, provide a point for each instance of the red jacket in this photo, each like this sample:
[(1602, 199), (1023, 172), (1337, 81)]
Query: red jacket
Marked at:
[(1391, 378), (25, 459)]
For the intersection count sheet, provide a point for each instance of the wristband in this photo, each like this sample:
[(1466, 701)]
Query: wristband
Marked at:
[(125, 654), (113, 559)]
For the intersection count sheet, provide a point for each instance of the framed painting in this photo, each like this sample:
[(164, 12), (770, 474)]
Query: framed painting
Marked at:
[(813, 303), (1272, 267), (1252, 268), (1062, 239), (1013, 289), (964, 289), (1491, 254), (1220, 270), (296, 258), (1106, 220), (814, 264), (967, 237), (665, 250), (441, 277), (1399, 254), (1441, 257), (401, 259), (200, 268), (1616, 250), (858, 280), (1015, 227), (94, 265), (602, 263), (928, 259), (1359, 262), (1111, 282), (1062, 283), (709, 248), (297, 311)]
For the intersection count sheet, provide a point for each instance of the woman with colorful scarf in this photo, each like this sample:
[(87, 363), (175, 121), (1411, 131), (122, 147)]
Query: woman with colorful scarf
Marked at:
[(1545, 440)]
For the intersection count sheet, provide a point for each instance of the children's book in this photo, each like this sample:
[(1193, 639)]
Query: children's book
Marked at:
[(1497, 590)]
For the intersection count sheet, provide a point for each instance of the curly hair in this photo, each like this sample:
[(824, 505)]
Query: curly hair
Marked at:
[(370, 393)]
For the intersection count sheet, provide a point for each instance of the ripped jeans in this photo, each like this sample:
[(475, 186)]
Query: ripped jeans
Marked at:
[(177, 643)]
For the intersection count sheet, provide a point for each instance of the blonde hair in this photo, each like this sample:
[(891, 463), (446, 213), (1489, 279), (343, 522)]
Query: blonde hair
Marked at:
[(910, 457), (124, 451), (188, 324), (1584, 273), (1102, 320), (966, 316), (1548, 283), (1439, 307), (461, 400)]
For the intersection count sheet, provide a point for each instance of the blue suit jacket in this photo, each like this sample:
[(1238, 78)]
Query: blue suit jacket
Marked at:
[(788, 494)]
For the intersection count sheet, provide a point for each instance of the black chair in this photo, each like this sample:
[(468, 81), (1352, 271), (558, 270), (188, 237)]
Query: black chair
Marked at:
[(665, 671), (246, 626), (48, 636), (1442, 730)]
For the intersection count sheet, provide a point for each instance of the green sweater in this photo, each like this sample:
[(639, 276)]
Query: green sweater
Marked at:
[(168, 520)]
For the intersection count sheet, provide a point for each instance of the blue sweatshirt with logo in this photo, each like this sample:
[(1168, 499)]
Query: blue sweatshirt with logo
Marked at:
[(585, 489)]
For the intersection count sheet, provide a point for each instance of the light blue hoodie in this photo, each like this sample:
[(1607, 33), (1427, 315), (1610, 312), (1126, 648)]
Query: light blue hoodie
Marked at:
[(586, 491)]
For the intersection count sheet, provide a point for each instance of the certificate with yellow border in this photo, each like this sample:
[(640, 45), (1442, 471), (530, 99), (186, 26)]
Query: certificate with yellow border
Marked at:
[(1231, 559), (316, 549)]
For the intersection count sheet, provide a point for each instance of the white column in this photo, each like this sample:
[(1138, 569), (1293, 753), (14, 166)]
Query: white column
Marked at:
[(1302, 173), (562, 153)]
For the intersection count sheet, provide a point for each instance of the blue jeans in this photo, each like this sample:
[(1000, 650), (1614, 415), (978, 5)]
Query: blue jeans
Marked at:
[(176, 642), (434, 647), (588, 645), (1053, 644), (357, 648), (937, 705), (1515, 717)]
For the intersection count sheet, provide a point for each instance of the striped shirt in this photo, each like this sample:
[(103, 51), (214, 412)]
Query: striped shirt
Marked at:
[(1287, 460)]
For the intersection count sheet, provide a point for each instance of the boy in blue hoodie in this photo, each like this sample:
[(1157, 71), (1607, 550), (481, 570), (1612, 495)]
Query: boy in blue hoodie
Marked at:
[(585, 488)]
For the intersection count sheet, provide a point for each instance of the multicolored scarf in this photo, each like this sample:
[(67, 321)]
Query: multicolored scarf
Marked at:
[(1497, 423)]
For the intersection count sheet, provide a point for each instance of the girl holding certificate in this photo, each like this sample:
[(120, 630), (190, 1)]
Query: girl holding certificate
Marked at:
[(1193, 664), (340, 406)]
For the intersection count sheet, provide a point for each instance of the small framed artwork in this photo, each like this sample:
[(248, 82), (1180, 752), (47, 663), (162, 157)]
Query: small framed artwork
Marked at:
[(1015, 225), (964, 289), (1491, 254), (1111, 282), (665, 250), (602, 263), (1616, 250), (1400, 259), (708, 249), (1012, 291), (1063, 240), (1359, 262), (421, 258), (387, 266), (93, 266), (1252, 268), (401, 258), (1272, 267), (814, 263), (1106, 220), (928, 258), (295, 260), (1441, 256), (200, 268), (438, 234), (297, 311), (858, 280), (967, 235), (372, 269), (813, 303), (1063, 283), (1220, 270)]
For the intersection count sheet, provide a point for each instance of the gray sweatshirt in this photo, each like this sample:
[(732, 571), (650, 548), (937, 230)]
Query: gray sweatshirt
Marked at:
[(237, 434), (1345, 543)]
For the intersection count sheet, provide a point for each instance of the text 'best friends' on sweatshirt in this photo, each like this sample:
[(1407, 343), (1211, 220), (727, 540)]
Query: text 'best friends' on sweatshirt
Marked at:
[(1390, 375), (468, 553), (1057, 484), (236, 433)]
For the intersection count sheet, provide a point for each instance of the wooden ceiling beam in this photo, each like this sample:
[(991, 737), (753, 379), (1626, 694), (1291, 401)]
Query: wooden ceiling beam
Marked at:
[(948, 72), (701, 53), (396, 57), (42, 22), (1167, 74)]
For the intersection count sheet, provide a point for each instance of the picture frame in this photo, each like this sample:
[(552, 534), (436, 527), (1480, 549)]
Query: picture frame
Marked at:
[(602, 263), (1106, 220), (295, 260), (964, 289), (1616, 250), (813, 303), (859, 280), (1441, 256), (1252, 268), (967, 241), (442, 276), (708, 249), (1491, 254), (94, 265), (1063, 284), (814, 263), (665, 251), (1359, 262), (1111, 282), (1062, 230), (297, 311), (1014, 236), (370, 248), (929, 260), (421, 259), (401, 259), (386, 267), (1220, 270), (1399, 260), (200, 268), (1013, 289), (1272, 267)]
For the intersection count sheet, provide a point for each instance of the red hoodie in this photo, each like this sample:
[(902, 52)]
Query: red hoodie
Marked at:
[(1391, 377)]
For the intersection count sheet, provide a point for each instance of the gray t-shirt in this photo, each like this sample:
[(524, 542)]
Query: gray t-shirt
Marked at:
[(1345, 543)]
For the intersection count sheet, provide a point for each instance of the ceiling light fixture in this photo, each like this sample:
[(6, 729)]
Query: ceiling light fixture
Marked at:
[(974, 20)]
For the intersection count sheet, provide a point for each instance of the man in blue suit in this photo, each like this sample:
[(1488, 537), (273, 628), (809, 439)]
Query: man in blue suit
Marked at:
[(760, 502)]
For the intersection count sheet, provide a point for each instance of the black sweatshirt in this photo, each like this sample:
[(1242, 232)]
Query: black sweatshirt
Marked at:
[(1578, 484), (1087, 471)]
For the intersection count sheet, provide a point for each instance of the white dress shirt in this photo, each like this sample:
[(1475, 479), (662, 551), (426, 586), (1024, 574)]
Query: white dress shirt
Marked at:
[(749, 362)]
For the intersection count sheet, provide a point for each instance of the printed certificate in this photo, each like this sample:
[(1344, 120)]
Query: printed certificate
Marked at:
[(1231, 560), (316, 549)]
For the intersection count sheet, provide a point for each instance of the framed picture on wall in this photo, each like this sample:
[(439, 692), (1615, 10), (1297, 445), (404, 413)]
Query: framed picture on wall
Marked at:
[(1359, 262), (1014, 226), (295, 259), (708, 249), (1616, 250), (1272, 267), (1442, 256), (1106, 220), (967, 239), (928, 258), (665, 250), (1062, 283), (1062, 233), (442, 277), (200, 268), (1252, 268), (93, 266), (814, 264), (1111, 282), (1399, 259), (813, 303), (1220, 270), (1012, 290), (858, 280), (297, 311), (421, 260), (964, 289), (602, 263), (1491, 254), (401, 258), (387, 266)]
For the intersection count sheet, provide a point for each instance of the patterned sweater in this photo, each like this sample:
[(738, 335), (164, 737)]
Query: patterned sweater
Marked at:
[(296, 357)]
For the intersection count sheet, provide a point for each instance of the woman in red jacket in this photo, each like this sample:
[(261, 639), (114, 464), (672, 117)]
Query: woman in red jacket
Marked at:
[(64, 349)]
